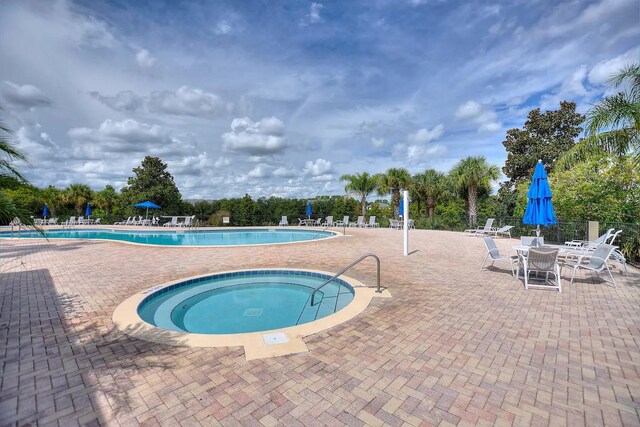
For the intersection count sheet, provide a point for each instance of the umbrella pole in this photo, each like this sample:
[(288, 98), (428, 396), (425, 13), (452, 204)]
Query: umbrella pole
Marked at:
[(538, 231), (147, 215)]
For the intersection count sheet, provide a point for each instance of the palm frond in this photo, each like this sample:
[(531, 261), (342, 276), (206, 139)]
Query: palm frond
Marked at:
[(617, 142), (615, 111), (629, 73)]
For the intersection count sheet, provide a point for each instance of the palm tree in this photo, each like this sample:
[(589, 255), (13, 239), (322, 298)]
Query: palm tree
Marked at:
[(8, 172), (613, 124), (430, 186), (470, 175), (392, 182), (106, 199), (78, 195), (362, 185)]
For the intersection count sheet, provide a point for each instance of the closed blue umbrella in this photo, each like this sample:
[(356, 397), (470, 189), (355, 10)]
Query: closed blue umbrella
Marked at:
[(401, 208), (45, 211), (88, 212), (309, 209), (539, 209), (147, 204)]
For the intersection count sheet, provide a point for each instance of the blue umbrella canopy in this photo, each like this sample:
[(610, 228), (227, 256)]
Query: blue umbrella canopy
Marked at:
[(45, 211), (88, 212), (539, 209), (147, 204), (309, 209)]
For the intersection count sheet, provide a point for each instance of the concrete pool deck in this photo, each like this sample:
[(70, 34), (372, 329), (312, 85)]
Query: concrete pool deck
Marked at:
[(452, 346)]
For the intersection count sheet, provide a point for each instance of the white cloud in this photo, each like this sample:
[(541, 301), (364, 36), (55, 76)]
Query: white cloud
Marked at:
[(313, 17), (284, 172), (125, 101), (255, 138), (604, 70), (260, 171), (377, 142), (319, 167), (424, 135), (145, 59), (223, 27), (222, 162), (23, 97), (481, 114), (187, 101)]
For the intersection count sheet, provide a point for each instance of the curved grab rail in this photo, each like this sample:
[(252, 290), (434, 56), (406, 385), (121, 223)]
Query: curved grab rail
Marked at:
[(341, 272)]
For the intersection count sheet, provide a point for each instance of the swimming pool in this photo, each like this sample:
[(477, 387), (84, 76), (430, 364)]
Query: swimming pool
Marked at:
[(231, 237), (244, 301)]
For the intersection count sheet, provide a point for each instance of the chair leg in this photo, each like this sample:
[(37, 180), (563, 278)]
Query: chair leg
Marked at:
[(573, 273), (484, 262), (611, 275), (558, 278)]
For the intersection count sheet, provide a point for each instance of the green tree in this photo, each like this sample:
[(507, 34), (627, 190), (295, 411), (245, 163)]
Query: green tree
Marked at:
[(77, 195), (472, 175), (545, 135), (613, 124), (106, 199), (392, 181), (52, 196), (605, 189), (362, 185), (430, 185), (153, 182)]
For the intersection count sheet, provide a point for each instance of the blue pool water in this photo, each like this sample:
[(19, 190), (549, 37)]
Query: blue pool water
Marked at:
[(246, 301), (255, 236)]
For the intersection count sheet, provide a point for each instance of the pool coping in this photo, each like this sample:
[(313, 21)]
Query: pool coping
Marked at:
[(333, 235), (127, 320)]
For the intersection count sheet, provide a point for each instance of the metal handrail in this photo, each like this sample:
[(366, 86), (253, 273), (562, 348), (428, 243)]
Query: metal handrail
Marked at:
[(341, 272), (321, 231)]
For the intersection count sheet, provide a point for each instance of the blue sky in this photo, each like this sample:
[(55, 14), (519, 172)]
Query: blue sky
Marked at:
[(283, 97)]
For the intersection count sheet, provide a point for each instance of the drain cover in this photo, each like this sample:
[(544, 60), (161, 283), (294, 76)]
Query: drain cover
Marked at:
[(278, 338), (252, 312)]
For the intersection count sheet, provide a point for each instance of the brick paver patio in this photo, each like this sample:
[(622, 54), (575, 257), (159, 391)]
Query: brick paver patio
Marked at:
[(453, 346)]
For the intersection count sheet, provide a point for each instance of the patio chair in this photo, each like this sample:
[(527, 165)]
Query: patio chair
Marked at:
[(155, 221), (493, 253), (226, 220), (53, 221), (481, 231), (541, 260), (172, 223), (597, 261), (590, 244), (343, 223), (617, 254), (81, 221), (283, 221), (412, 224), (504, 231), (532, 241), (372, 222), (359, 223), (122, 222), (328, 222), (394, 224)]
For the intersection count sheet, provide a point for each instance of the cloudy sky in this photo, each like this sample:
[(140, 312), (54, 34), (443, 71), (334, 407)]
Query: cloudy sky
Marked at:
[(280, 98)]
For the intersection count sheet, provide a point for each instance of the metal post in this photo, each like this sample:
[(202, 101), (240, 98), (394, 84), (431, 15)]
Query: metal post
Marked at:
[(405, 218)]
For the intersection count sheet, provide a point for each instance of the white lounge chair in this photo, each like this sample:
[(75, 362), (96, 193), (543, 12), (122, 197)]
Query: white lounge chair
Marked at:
[(597, 261), (283, 221), (358, 223), (394, 224), (372, 222), (532, 241), (493, 253), (481, 231), (172, 223), (122, 222), (53, 221), (328, 222), (97, 221), (343, 223), (504, 231), (590, 244)]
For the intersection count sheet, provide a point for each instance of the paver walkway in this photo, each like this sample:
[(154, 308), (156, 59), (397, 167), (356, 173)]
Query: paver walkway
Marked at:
[(453, 346)]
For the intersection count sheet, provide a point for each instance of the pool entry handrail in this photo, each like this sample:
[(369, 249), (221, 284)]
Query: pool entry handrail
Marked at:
[(344, 270)]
